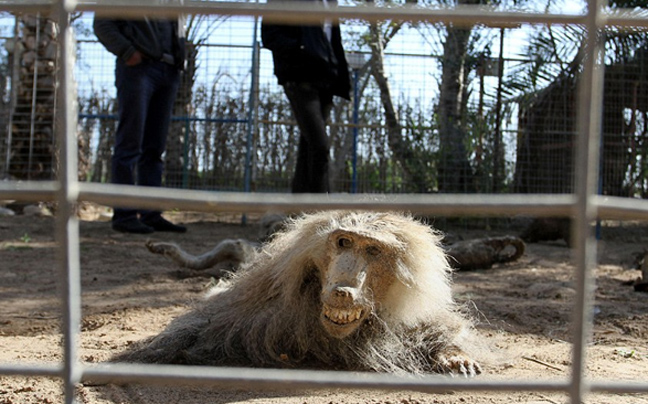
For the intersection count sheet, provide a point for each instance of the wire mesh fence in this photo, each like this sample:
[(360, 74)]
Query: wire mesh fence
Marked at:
[(521, 141), (514, 104)]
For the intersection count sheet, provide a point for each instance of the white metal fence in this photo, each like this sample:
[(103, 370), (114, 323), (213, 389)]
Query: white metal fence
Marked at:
[(583, 206)]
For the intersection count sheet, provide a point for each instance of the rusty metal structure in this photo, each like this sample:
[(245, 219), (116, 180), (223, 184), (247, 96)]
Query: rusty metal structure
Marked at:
[(34, 56)]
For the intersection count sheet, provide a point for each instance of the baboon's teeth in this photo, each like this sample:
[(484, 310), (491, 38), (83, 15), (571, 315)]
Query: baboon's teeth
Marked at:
[(342, 316)]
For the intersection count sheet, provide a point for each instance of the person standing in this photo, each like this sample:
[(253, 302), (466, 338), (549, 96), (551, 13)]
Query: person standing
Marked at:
[(310, 64), (150, 56)]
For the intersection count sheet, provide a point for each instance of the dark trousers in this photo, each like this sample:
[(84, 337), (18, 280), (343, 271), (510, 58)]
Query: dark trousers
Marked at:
[(311, 107), (145, 97)]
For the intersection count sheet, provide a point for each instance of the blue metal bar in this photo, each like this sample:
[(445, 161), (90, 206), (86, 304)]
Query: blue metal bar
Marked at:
[(175, 118), (252, 107), (185, 155), (356, 107), (252, 114)]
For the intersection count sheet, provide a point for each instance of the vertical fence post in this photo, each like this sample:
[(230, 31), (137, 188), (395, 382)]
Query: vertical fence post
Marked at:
[(185, 154), (356, 107), (252, 118), (356, 61), (252, 107), (584, 211), (67, 225)]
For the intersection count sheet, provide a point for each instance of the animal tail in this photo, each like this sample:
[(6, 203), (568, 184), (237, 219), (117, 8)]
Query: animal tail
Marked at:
[(503, 254)]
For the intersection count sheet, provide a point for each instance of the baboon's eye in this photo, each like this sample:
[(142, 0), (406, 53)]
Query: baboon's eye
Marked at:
[(344, 242), (373, 250)]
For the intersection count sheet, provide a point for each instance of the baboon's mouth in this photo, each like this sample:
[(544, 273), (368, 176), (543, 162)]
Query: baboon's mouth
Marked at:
[(341, 316)]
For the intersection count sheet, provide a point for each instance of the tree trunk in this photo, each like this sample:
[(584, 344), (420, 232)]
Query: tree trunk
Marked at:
[(399, 146), (455, 172)]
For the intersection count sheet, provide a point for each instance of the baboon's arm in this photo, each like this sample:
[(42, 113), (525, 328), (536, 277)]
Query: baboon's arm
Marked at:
[(238, 250), (483, 253)]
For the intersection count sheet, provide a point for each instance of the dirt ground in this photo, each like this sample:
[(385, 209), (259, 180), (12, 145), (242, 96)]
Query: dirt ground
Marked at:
[(523, 311)]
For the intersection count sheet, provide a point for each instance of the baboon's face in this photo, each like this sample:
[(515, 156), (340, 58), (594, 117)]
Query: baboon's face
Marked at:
[(359, 273)]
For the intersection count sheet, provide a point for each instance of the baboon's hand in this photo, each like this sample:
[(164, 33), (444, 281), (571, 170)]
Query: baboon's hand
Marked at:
[(160, 247), (459, 363)]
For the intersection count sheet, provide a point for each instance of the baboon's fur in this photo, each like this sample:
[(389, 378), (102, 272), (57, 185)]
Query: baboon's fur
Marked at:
[(236, 251), (334, 290), (270, 224), (482, 253), (548, 229)]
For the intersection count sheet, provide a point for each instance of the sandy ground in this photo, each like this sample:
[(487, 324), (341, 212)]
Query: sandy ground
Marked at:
[(523, 311)]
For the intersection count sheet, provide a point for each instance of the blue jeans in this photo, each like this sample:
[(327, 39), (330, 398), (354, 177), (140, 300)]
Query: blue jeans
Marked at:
[(145, 96), (311, 107)]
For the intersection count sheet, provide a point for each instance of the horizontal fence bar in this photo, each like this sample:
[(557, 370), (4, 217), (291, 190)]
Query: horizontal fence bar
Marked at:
[(442, 204), (31, 370), (619, 208), (603, 386), (298, 12), (283, 379), (30, 191), (295, 12), (627, 18), (277, 379), (260, 379), (609, 207), (26, 6)]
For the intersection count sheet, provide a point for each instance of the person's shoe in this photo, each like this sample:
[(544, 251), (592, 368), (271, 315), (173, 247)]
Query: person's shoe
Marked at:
[(132, 226), (161, 224)]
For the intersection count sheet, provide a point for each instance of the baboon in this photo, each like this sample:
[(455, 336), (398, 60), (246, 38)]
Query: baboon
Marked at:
[(337, 290), (234, 250), (482, 253), (465, 255), (641, 262), (270, 224), (548, 229)]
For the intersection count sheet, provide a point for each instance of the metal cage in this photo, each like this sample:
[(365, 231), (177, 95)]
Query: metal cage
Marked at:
[(584, 205)]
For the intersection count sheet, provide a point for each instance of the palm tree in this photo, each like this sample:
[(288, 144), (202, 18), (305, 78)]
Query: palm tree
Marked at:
[(546, 86)]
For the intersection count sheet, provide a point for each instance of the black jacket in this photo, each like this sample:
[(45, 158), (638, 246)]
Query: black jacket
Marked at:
[(124, 37), (302, 53)]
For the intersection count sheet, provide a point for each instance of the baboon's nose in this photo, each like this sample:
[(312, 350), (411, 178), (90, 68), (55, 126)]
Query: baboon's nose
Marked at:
[(344, 292)]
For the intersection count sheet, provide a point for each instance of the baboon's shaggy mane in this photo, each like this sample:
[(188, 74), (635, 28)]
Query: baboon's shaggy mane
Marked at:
[(270, 312)]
